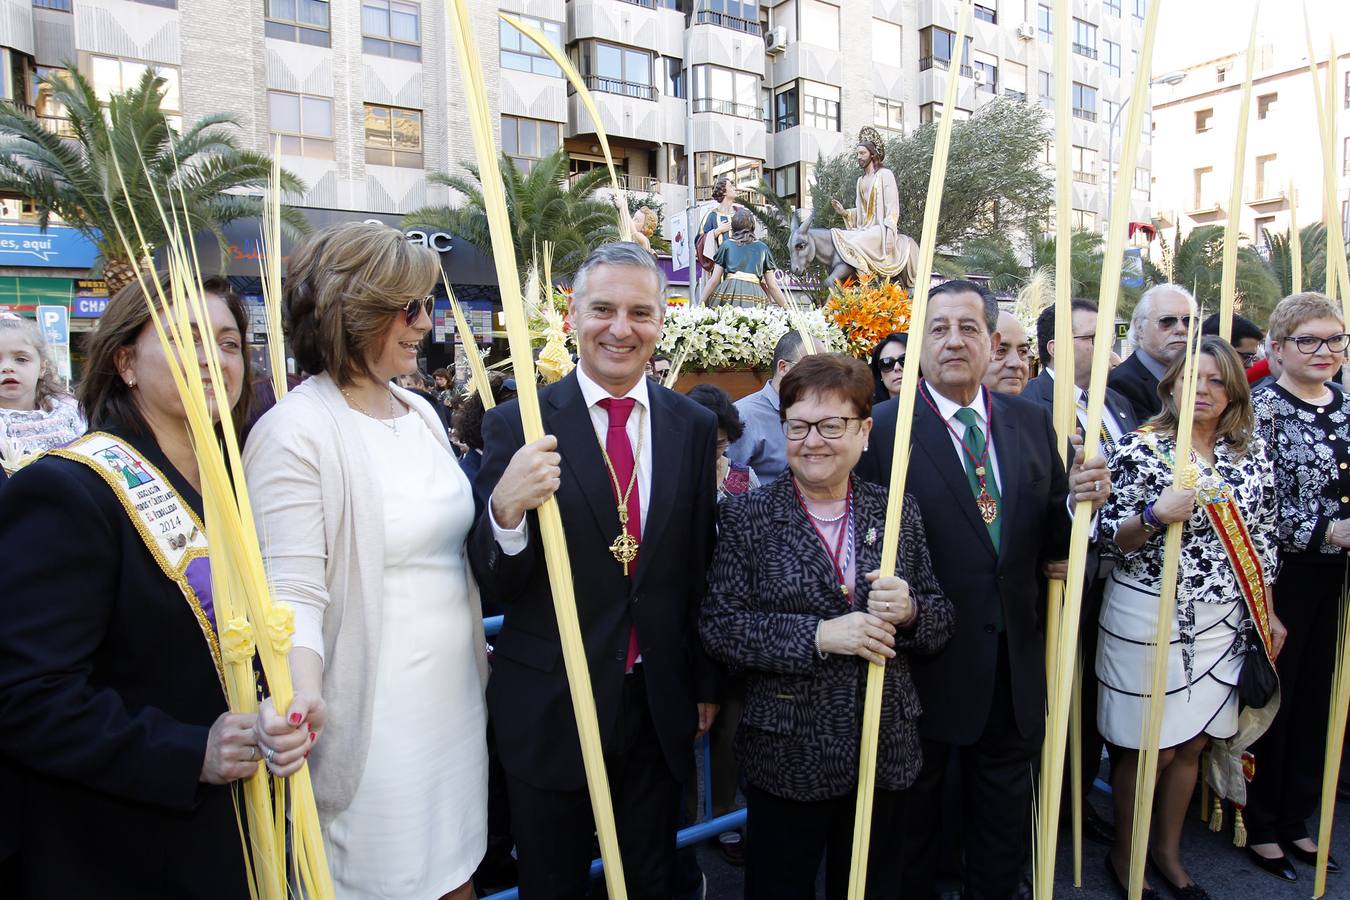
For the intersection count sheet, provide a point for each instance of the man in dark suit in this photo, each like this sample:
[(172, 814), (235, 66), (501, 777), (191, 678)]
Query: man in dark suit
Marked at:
[(1118, 419), (616, 440), (995, 512), (1158, 332)]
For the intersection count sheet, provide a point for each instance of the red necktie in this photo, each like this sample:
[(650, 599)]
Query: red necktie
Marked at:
[(620, 451)]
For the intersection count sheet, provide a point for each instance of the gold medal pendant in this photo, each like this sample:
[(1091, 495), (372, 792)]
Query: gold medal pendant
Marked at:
[(624, 549), (987, 506)]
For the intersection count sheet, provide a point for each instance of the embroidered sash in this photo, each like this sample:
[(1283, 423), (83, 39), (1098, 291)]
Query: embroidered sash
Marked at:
[(167, 524)]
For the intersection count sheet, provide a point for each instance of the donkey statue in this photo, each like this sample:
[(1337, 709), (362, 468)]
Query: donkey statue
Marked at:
[(808, 245)]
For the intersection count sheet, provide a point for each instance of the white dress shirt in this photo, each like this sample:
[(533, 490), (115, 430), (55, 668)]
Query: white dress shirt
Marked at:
[(639, 428), (947, 410), (1080, 402)]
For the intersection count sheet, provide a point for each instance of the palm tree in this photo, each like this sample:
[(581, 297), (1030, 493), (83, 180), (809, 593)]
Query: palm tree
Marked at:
[(1313, 246), (194, 176), (541, 205), (1197, 263)]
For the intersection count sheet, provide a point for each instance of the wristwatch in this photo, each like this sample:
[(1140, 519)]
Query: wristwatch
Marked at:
[(1150, 522)]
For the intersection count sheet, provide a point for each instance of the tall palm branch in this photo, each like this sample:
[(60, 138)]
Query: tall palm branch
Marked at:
[(196, 176), (542, 204)]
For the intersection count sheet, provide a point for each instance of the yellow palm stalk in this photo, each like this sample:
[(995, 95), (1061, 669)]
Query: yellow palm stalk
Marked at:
[(550, 518), (1295, 243), (904, 421), (1331, 768), (1325, 104), (1060, 668), (1228, 290), (270, 262), (579, 85)]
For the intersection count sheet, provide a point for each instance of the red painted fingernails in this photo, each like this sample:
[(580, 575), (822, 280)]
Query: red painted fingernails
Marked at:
[(296, 718)]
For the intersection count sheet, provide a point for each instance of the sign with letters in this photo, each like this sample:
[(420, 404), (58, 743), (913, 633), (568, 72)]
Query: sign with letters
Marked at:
[(55, 324), (59, 247)]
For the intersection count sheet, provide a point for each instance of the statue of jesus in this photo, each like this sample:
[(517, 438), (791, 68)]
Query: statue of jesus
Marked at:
[(870, 242)]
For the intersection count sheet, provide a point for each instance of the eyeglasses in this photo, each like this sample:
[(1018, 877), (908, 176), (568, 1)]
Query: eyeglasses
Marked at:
[(413, 310), (1167, 323), (660, 371), (1310, 344), (1023, 351), (1249, 358), (828, 428), (891, 363)]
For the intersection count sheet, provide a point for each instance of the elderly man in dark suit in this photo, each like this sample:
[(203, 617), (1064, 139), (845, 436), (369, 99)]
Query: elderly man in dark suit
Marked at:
[(633, 466), (1158, 332), (986, 471), (1118, 420)]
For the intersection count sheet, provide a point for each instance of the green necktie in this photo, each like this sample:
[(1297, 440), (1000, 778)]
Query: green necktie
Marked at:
[(975, 445)]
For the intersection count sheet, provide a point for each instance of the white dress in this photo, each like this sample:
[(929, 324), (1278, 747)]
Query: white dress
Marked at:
[(417, 827)]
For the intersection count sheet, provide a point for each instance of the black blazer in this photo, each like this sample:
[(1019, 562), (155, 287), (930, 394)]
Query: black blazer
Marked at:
[(770, 585), (527, 694), (1137, 385), (957, 685), (107, 692), (1042, 390)]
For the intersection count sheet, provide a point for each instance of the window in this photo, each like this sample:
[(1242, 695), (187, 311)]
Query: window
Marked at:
[(930, 113), (820, 106), (167, 4), (1083, 161), (1014, 80), (885, 42), (1140, 10), (524, 55), (62, 5), (986, 14), (672, 84), (766, 104), (1045, 18), (889, 114), (1265, 104), (1142, 180), (1083, 220), (1046, 85), (1203, 117), (1084, 102), (726, 91), (1347, 90), (302, 21), (1267, 178), (1084, 38), (986, 69), (527, 141), (1110, 111), (304, 122), (738, 15), (785, 108), (1263, 226), (1204, 183), (1112, 7), (784, 16), (616, 69), (820, 24), (677, 164), (393, 136), (111, 75), (1112, 58), (784, 182), (391, 28), (935, 49), (1345, 157), (745, 173)]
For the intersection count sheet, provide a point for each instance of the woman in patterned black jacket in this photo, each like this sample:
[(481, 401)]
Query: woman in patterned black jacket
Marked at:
[(1305, 421), (795, 602)]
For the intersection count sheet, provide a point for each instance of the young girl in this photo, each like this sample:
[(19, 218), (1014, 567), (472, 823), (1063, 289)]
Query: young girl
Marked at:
[(36, 412)]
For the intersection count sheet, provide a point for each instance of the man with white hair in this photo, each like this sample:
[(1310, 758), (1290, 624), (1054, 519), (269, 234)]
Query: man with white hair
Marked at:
[(1158, 332)]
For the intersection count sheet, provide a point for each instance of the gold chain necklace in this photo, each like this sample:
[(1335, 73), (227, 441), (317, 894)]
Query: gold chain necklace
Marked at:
[(625, 546), (391, 423)]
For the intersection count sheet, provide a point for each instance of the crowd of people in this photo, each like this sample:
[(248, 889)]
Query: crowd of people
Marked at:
[(726, 560)]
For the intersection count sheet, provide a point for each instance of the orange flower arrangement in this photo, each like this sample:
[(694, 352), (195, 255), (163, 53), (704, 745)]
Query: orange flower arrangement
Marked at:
[(867, 310)]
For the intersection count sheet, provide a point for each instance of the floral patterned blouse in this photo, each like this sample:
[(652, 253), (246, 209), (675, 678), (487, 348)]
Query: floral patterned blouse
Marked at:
[(1140, 470), (1310, 447)]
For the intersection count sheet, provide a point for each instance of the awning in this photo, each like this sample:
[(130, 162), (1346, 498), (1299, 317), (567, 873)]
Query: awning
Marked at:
[(21, 294)]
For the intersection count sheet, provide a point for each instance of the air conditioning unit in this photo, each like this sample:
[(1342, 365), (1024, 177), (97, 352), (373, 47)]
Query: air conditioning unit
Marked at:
[(776, 41), (978, 77), (1026, 31)]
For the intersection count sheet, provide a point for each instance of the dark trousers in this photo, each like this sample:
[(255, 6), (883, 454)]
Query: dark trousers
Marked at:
[(996, 789), (555, 831), (785, 840), (1290, 755)]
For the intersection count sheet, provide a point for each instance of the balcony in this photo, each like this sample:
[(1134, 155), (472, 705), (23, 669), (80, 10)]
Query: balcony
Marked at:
[(1085, 50), (1087, 115), (722, 20), (967, 72), (1019, 96), (645, 184), (1085, 177), (748, 195), (645, 4), (728, 108), (601, 84), (58, 125), (1265, 195), (933, 62)]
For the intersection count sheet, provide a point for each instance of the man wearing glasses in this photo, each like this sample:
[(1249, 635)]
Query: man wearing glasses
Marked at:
[(1158, 332)]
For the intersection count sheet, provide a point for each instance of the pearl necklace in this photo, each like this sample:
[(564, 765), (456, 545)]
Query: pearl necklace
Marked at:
[(391, 423)]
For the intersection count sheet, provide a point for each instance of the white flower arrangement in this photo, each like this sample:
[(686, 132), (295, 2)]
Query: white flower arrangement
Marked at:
[(736, 337)]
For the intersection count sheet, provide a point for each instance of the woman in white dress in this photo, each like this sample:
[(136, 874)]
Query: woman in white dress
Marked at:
[(1214, 627), (362, 513)]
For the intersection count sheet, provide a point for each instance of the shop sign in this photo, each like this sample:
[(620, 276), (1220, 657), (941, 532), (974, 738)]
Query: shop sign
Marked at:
[(90, 298), (59, 247)]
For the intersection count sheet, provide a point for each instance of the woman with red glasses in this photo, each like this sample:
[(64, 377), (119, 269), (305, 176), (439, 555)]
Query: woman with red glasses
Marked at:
[(362, 513)]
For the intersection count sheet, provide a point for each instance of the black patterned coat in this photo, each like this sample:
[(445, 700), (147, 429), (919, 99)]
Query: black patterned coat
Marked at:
[(770, 584)]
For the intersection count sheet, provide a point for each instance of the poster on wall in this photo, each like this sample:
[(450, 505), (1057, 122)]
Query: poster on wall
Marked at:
[(679, 240)]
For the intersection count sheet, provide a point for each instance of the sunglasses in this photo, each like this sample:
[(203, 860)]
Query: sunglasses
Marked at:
[(891, 363), (1167, 323), (414, 309)]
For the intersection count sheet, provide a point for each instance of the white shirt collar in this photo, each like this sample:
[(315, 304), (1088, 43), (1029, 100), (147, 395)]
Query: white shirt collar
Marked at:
[(1080, 395), (593, 393), (947, 408)]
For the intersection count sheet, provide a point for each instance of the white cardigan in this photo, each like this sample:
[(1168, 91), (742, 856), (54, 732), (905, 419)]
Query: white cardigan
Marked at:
[(320, 522)]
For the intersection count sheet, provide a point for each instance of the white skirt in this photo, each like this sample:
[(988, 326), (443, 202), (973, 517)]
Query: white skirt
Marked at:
[(1124, 660)]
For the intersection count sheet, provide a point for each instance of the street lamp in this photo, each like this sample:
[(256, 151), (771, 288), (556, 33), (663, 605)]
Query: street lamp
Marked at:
[(1171, 79)]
